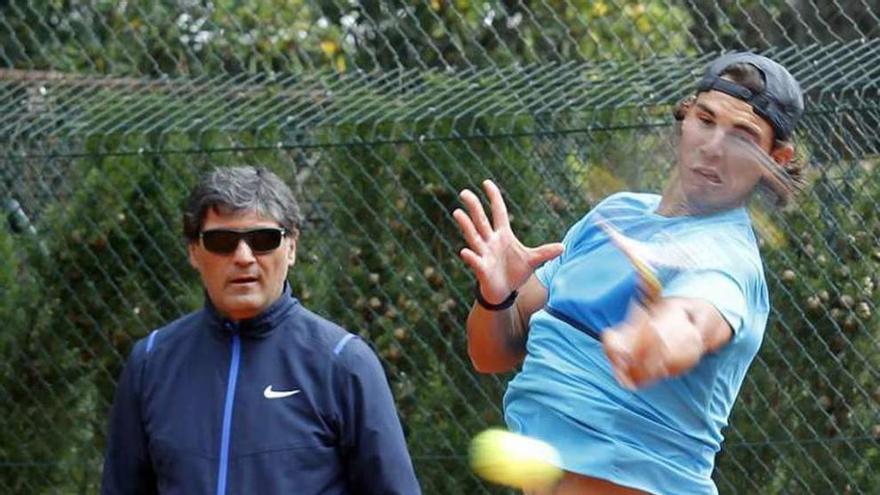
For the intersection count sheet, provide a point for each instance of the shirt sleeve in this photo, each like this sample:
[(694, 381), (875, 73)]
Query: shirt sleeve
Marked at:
[(718, 287), (374, 452), (575, 234), (127, 465), (547, 271)]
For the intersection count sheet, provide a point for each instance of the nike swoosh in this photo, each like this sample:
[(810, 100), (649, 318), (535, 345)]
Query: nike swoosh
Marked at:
[(278, 394)]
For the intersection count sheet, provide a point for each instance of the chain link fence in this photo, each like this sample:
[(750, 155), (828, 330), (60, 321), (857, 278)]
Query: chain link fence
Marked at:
[(379, 113)]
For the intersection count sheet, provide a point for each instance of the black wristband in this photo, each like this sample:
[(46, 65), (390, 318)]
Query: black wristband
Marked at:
[(494, 307)]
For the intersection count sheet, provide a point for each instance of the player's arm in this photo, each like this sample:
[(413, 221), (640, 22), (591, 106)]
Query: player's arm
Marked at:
[(128, 469), (501, 265), (497, 339), (664, 340)]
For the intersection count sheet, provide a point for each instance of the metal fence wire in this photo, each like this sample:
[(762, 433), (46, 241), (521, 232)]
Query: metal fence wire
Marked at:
[(379, 113)]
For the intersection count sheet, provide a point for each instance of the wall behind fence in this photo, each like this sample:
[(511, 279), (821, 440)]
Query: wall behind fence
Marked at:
[(379, 114)]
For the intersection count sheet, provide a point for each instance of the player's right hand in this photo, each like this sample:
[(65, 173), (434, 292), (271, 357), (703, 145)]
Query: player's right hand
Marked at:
[(498, 259)]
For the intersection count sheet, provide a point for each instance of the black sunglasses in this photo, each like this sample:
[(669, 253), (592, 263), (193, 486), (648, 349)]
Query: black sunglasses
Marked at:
[(222, 241)]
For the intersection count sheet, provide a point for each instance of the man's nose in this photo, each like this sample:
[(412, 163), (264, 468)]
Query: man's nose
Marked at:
[(714, 144), (243, 254)]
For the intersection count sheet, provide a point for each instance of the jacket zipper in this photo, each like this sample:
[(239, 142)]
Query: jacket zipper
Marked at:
[(227, 413)]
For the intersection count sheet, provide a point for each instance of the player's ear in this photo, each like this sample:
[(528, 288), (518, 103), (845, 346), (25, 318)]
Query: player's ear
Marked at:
[(782, 153), (682, 107)]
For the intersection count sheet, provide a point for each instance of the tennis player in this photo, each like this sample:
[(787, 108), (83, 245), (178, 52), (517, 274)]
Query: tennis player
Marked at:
[(635, 396)]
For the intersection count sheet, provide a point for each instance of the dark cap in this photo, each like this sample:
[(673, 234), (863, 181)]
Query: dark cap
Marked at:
[(781, 102)]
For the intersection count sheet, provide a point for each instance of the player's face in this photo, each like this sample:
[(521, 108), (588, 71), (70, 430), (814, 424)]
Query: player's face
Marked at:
[(243, 283), (717, 163)]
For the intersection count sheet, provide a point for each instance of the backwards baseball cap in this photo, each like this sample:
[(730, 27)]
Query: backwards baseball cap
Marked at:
[(781, 102)]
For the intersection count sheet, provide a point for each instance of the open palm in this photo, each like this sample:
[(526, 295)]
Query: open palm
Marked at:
[(499, 260)]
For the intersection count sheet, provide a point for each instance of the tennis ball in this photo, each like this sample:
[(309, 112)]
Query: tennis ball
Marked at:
[(514, 460)]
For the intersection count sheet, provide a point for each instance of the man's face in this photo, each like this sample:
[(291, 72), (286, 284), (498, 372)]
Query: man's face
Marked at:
[(721, 137), (242, 284)]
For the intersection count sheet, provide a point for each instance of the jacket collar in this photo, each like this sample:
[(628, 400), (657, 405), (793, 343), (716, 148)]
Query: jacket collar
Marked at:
[(257, 327)]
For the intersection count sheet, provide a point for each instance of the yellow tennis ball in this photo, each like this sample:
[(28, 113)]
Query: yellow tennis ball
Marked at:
[(515, 460)]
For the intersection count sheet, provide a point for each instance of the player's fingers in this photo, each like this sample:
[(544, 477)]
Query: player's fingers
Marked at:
[(543, 253), (619, 355), (648, 371), (476, 212), (624, 378), (638, 317), (646, 339), (649, 352), (473, 261), (500, 218), (473, 239)]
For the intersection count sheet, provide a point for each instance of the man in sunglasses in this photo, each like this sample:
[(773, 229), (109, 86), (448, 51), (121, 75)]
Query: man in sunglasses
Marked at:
[(253, 393)]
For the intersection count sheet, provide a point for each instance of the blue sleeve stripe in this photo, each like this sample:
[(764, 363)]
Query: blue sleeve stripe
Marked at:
[(151, 340), (341, 344)]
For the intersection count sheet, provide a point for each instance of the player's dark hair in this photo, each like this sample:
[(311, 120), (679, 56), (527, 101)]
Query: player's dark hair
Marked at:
[(230, 190)]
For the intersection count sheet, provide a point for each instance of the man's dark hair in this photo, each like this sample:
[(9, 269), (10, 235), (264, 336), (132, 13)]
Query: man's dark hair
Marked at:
[(231, 190)]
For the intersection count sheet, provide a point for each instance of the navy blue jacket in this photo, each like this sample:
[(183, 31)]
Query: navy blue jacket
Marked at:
[(284, 403)]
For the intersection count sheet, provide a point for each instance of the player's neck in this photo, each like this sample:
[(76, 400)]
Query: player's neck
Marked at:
[(673, 207), (674, 203)]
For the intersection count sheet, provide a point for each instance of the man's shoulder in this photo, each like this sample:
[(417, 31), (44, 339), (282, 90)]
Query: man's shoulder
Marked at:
[(326, 344), (179, 327), (168, 337), (172, 333), (324, 338)]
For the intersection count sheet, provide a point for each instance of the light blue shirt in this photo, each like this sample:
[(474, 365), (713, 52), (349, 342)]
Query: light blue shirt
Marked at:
[(663, 438)]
